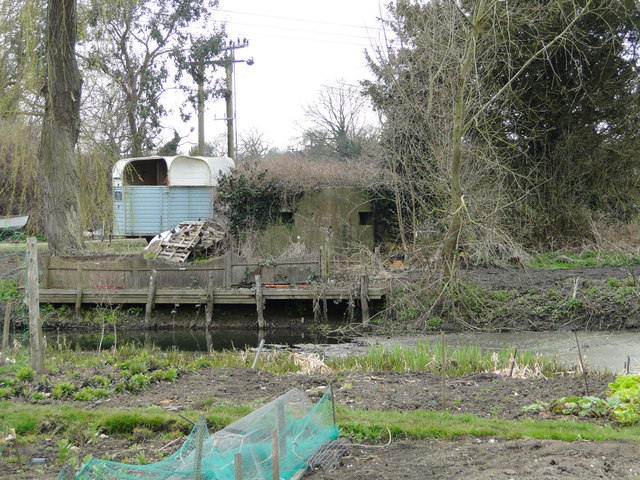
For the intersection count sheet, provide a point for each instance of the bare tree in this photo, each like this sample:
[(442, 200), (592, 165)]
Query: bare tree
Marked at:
[(253, 146), (338, 123)]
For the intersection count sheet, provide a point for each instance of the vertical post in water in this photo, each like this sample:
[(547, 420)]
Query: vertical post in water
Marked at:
[(584, 373), (151, 297), (444, 373), (275, 455), (237, 463), (209, 308), (78, 290), (33, 289), (364, 299), (259, 302)]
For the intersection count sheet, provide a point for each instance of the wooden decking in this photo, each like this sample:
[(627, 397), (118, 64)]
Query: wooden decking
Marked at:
[(194, 296)]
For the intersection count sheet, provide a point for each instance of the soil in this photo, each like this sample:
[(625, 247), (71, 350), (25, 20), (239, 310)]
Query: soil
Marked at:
[(485, 395)]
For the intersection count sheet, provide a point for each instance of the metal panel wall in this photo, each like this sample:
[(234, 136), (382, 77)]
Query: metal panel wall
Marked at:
[(148, 210), (189, 204), (145, 210)]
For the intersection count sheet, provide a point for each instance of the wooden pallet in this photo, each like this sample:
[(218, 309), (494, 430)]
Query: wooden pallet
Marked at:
[(182, 243)]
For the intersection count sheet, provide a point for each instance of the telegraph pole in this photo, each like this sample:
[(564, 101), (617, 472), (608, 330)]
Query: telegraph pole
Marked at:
[(228, 97), (228, 63)]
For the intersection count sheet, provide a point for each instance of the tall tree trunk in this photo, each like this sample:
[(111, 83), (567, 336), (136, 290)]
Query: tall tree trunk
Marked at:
[(452, 240), (60, 128)]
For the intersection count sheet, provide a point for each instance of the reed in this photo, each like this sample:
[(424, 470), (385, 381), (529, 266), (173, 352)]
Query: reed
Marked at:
[(460, 361)]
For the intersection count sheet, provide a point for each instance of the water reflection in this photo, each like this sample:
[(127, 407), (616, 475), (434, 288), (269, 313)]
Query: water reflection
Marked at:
[(188, 340)]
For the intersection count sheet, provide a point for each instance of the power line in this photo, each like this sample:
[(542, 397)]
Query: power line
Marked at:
[(320, 22), (291, 29)]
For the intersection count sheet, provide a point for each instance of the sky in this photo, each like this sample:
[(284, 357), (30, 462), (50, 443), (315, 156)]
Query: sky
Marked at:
[(298, 47)]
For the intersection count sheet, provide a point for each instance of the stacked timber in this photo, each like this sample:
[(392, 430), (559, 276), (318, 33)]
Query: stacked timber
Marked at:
[(191, 239)]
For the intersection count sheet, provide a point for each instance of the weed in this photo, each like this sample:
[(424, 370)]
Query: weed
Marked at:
[(25, 374), (613, 283), (62, 390), (138, 382), (141, 459), (37, 396), (66, 453)]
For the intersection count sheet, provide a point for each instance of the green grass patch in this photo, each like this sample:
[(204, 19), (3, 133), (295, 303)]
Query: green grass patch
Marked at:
[(590, 258), (66, 420), (372, 426)]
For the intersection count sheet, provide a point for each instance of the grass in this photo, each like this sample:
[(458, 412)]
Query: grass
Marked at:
[(589, 258), (417, 424), (32, 422)]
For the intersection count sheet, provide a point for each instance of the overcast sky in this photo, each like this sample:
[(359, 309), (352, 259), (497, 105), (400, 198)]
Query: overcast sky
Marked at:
[(298, 47)]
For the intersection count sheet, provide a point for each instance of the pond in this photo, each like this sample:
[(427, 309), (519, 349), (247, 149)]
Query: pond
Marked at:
[(600, 350), (188, 340)]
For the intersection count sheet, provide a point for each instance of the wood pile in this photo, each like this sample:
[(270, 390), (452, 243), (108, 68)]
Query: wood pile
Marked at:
[(192, 239)]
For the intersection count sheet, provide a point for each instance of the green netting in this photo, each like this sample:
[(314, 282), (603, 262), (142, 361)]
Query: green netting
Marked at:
[(246, 445)]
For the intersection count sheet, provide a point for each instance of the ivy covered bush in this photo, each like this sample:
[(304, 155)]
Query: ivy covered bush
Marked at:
[(250, 198)]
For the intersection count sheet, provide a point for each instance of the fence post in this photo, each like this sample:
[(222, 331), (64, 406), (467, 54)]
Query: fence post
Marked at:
[(5, 329), (79, 291), (237, 460), (275, 455), (208, 312), (364, 299), (228, 272), (33, 290), (259, 302), (151, 297)]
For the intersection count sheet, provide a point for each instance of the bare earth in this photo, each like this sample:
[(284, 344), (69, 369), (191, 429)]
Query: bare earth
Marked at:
[(465, 458), (483, 394)]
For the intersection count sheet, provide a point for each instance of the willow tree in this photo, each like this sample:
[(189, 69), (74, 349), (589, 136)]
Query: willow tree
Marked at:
[(60, 128)]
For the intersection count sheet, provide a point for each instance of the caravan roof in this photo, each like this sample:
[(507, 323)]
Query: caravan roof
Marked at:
[(181, 170)]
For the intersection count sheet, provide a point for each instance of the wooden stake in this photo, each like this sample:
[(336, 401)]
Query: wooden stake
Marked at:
[(79, 291), (33, 289), (208, 313), (444, 374), (228, 273), (259, 302), (15, 445), (584, 373), (364, 299), (151, 297), (237, 461), (275, 455), (282, 444), (5, 330)]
